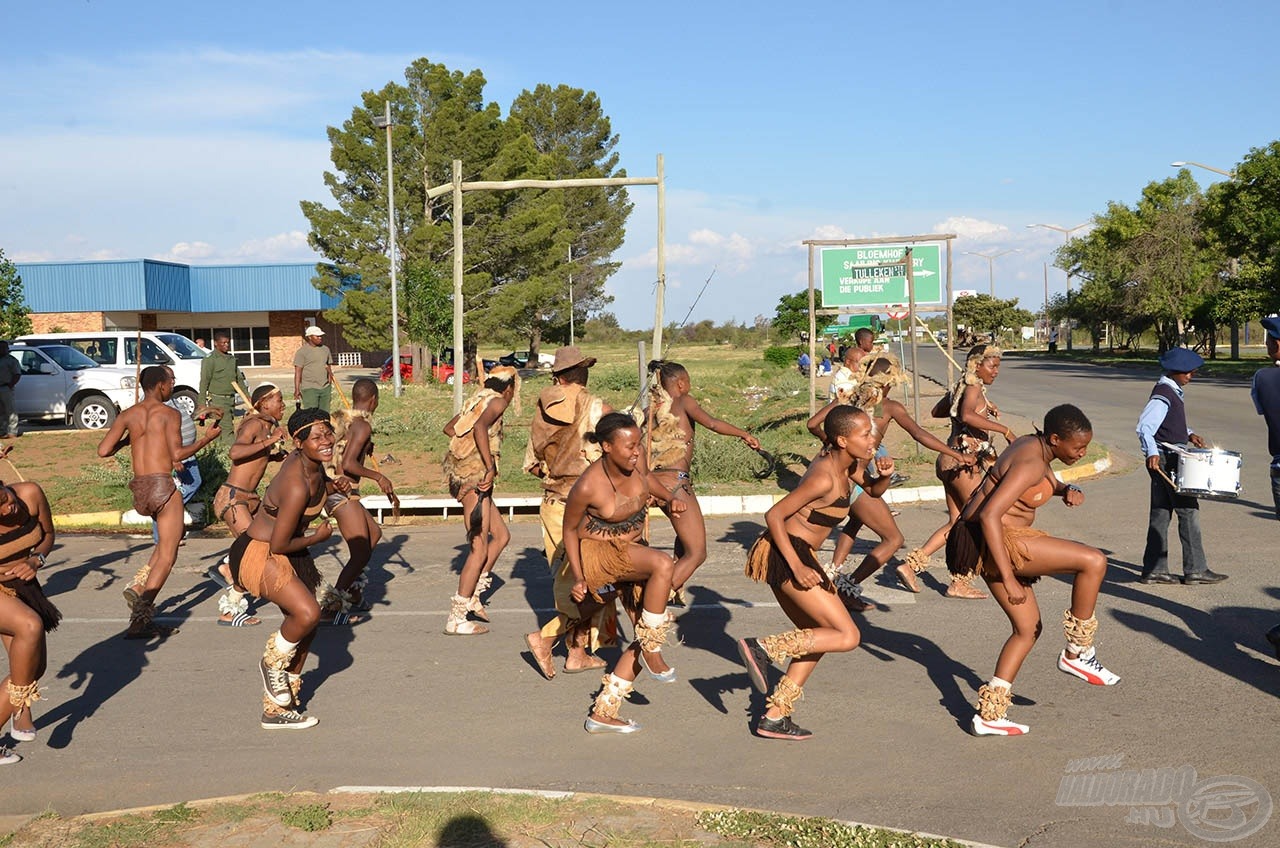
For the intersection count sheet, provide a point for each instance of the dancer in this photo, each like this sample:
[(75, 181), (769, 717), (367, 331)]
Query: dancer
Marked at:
[(972, 416), (26, 538), (671, 421), (784, 556), (271, 560), (994, 537), (471, 467), (603, 520), (558, 453), (259, 442), (153, 432), (353, 443), (878, 373)]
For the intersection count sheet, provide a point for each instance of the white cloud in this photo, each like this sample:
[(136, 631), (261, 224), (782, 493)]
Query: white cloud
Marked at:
[(188, 252), (972, 228)]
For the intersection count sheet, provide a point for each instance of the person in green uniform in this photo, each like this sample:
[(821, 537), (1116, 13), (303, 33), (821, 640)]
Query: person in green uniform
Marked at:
[(217, 372)]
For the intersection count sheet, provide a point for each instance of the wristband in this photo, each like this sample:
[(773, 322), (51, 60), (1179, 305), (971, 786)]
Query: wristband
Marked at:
[(37, 557)]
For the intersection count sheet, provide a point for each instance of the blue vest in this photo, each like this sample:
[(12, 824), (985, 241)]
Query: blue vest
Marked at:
[(1267, 383), (1174, 427)]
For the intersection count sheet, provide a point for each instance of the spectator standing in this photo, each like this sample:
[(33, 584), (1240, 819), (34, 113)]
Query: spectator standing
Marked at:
[(1164, 421), (10, 373), (1266, 399), (313, 371), (218, 371)]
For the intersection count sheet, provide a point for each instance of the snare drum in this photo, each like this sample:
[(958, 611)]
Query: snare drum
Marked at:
[(1211, 473)]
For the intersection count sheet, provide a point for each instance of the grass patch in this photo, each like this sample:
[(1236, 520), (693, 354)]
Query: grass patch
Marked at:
[(476, 819), (793, 832), (308, 817)]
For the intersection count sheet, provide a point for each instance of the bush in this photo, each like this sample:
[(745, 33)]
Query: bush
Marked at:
[(784, 356)]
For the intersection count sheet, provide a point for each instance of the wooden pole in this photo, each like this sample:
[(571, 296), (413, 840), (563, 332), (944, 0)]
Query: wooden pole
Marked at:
[(951, 330), (813, 350), (457, 290), (662, 262), (915, 368)]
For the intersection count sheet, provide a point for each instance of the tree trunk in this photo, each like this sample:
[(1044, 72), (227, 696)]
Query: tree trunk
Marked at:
[(535, 344)]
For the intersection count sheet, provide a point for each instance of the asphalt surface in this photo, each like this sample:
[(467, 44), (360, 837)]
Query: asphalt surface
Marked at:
[(126, 724)]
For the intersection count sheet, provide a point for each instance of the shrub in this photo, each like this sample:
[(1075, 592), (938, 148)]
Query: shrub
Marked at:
[(784, 356)]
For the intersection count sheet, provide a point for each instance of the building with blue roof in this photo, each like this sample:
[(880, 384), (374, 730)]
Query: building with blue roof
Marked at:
[(265, 307)]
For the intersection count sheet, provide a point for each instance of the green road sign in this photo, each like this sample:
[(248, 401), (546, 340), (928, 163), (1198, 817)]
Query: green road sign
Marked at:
[(859, 276)]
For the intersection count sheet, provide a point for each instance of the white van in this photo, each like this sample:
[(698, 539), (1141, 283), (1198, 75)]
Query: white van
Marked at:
[(58, 383), (119, 349)]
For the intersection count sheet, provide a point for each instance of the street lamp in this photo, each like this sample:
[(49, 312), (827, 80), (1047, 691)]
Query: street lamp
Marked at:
[(384, 122), (1066, 237), (991, 264), (1228, 174)]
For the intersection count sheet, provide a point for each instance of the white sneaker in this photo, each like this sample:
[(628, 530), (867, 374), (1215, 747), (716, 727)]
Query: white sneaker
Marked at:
[(1087, 668), (8, 758), (998, 727)]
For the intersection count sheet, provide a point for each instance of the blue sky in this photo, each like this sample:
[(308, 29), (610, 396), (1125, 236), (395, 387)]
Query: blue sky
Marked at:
[(191, 131)]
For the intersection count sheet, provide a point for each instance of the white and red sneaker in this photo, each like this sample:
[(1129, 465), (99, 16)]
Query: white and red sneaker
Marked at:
[(1087, 668), (998, 727)]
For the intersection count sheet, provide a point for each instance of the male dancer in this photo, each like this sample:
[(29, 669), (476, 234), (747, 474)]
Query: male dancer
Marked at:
[(353, 432), (558, 453), (154, 433), (259, 441), (672, 415)]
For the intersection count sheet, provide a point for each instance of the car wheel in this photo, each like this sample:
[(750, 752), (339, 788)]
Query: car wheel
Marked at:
[(95, 412), (186, 401)]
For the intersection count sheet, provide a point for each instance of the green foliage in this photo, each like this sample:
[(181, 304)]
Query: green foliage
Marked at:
[(614, 378), (792, 316), (1150, 264), (308, 817), (768, 829), (177, 813), (15, 317), (518, 243), (783, 356), (982, 313)]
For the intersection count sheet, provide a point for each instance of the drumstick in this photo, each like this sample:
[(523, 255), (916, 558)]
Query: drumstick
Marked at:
[(243, 395), (346, 403)]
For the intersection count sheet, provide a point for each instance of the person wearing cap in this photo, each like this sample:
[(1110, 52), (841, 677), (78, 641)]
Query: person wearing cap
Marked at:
[(1164, 421), (558, 453), (313, 371)]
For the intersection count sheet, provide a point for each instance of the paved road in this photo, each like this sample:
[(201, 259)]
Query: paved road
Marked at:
[(400, 703)]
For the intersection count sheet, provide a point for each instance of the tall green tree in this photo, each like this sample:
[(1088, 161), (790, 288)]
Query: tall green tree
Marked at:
[(1243, 216), (983, 313), (516, 242), (574, 138), (15, 317), (1150, 262), (791, 317)]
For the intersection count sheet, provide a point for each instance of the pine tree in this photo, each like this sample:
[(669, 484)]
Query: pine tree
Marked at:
[(15, 317)]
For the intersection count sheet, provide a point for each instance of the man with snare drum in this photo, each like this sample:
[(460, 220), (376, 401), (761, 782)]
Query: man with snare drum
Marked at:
[(1164, 421)]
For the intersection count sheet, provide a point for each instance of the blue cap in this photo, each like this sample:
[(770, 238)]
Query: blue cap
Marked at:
[(1180, 360), (1272, 326)]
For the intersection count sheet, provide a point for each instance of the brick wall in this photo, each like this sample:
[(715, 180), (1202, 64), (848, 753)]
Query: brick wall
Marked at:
[(75, 322), (286, 336)]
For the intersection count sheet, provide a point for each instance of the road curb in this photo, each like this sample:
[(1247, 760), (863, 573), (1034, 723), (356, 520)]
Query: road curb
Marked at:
[(712, 505)]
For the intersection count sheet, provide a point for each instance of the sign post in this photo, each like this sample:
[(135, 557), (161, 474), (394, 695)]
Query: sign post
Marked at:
[(873, 275)]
